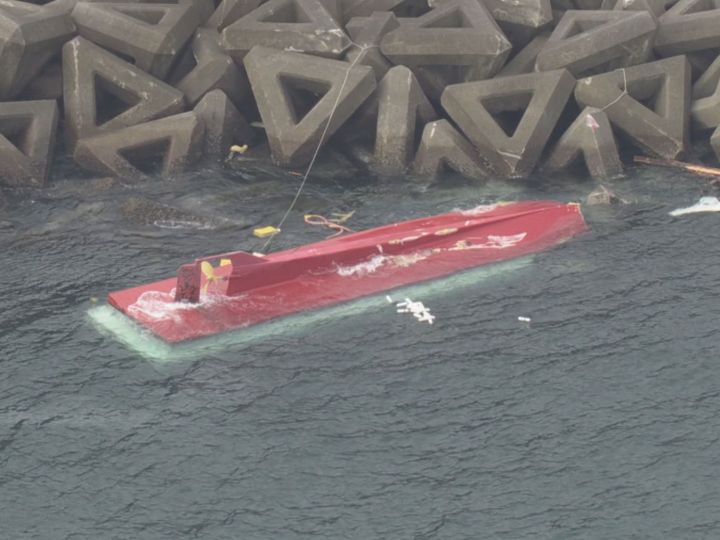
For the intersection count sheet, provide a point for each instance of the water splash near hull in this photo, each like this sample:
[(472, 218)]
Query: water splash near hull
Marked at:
[(111, 322)]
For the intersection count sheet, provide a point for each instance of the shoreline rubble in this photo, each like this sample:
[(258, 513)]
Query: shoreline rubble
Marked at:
[(479, 87)]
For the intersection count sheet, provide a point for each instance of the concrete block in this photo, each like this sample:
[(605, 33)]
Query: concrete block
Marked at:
[(229, 11), (150, 34), (399, 103), (365, 8), (588, 5), (688, 26), (715, 143), (524, 61), (443, 147), (705, 111), (48, 84), (27, 139), (365, 49), (700, 61), (654, 112), (177, 140), (457, 34), (291, 25), (213, 69), (707, 84), (434, 79), (224, 125), (64, 6), (589, 137), (602, 196), (30, 36), (521, 13), (588, 42), (510, 119), (104, 93), (296, 95), (654, 7)]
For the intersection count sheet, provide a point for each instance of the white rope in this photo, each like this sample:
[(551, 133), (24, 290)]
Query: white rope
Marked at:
[(319, 145), (623, 93)]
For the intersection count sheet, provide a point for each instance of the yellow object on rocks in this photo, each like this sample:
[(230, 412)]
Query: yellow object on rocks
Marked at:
[(238, 148), (264, 232)]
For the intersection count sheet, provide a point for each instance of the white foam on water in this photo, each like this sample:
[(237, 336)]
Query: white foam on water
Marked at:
[(705, 204), (478, 210), (161, 306), (158, 306), (180, 224)]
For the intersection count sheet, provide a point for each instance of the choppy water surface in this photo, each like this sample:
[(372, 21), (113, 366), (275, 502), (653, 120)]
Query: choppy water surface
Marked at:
[(599, 419)]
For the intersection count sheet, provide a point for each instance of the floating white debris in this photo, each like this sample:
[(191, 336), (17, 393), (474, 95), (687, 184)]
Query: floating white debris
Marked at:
[(417, 309), (524, 319), (705, 204)]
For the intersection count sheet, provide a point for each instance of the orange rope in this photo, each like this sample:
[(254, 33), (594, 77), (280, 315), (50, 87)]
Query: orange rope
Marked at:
[(315, 219)]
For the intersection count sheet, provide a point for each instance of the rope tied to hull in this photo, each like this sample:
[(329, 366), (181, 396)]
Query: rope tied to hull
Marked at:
[(321, 141)]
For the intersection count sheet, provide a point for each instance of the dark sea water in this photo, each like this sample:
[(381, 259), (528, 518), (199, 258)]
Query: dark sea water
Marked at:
[(598, 419)]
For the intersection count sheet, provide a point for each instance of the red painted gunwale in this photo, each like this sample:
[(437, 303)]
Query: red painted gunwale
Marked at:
[(256, 289)]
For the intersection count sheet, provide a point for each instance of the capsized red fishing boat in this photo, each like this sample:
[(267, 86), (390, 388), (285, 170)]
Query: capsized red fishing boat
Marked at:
[(234, 290)]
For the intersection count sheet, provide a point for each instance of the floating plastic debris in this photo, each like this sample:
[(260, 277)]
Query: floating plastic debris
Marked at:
[(705, 204), (417, 309), (524, 319), (264, 232), (238, 148)]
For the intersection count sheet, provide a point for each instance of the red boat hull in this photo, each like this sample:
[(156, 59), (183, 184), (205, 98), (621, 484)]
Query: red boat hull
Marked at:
[(250, 290)]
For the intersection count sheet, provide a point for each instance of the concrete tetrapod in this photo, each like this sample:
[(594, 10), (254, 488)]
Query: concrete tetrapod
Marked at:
[(214, 69), (365, 49), (292, 25), (441, 147), (689, 25), (30, 36), (607, 40), (399, 103), (365, 8), (706, 85), (705, 111), (521, 13), (27, 139), (524, 61), (624, 95), (715, 142), (655, 7), (177, 139), (229, 11), (97, 80), (224, 125), (590, 137), (48, 84), (510, 119), (296, 94), (455, 42), (150, 34)]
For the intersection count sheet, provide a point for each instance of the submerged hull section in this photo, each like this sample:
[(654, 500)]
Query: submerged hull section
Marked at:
[(244, 290)]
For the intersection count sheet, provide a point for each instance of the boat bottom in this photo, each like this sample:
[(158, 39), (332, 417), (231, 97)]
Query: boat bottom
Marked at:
[(112, 322)]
